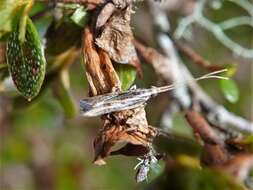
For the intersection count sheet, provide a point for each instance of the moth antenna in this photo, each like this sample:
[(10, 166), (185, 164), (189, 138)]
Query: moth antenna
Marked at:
[(206, 76), (213, 75)]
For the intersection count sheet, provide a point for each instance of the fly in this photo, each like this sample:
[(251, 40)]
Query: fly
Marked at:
[(132, 98)]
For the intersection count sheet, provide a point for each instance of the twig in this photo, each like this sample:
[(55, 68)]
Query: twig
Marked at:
[(215, 29), (161, 21), (234, 22), (214, 152), (196, 58), (215, 113)]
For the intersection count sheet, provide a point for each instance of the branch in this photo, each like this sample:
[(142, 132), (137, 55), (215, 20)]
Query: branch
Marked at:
[(214, 151), (196, 58), (218, 29), (165, 66)]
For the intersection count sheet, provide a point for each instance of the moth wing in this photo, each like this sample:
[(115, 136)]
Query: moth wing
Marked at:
[(85, 105)]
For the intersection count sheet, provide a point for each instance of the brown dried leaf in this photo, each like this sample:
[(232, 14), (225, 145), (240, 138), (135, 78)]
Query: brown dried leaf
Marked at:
[(125, 129), (105, 14), (116, 37), (100, 73), (109, 73)]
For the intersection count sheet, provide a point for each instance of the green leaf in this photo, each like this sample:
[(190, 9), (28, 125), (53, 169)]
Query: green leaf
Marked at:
[(26, 61), (230, 90), (9, 11), (62, 92), (127, 75), (79, 17), (23, 20), (22, 27)]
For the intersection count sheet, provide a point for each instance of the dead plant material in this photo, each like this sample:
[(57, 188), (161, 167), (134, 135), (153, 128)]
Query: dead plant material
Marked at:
[(101, 76), (214, 149), (105, 14), (129, 127), (196, 58), (116, 36), (157, 60)]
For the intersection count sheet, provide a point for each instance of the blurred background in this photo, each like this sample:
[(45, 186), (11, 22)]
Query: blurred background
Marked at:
[(41, 148)]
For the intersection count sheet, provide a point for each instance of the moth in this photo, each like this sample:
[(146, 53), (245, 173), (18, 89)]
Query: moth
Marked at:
[(130, 99)]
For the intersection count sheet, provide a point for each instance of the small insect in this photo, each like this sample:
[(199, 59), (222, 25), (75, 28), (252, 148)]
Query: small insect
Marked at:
[(132, 98)]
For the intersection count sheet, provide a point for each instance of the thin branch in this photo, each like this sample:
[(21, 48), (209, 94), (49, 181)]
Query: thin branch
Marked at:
[(234, 22), (198, 18), (215, 113), (215, 153), (197, 58)]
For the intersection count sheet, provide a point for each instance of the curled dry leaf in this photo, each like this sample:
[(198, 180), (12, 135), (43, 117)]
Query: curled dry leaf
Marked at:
[(116, 37), (105, 14), (129, 127), (99, 70)]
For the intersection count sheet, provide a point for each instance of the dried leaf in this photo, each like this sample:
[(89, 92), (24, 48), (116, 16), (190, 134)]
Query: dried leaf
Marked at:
[(127, 130), (105, 14), (100, 73), (116, 37)]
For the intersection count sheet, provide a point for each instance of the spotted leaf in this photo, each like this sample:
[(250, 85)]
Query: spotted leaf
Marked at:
[(26, 61)]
